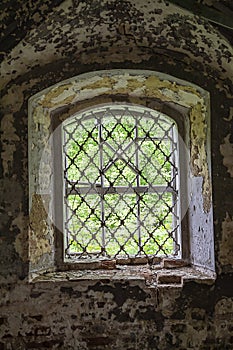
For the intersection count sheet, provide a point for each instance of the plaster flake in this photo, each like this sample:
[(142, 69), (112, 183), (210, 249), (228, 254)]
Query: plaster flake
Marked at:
[(40, 117), (198, 129), (39, 243), (226, 150), (54, 94), (8, 129), (87, 94), (13, 100), (21, 222), (9, 139), (122, 84), (230, 117), (67, 5), (103, 82), (66, 97), (221, 87), (226, 243), (224, 306)]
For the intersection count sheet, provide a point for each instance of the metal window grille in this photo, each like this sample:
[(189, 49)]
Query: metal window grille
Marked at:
[(121, 184)]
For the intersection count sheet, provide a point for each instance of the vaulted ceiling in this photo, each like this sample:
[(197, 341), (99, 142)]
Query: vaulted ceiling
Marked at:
[(17, 17), (41, 37)]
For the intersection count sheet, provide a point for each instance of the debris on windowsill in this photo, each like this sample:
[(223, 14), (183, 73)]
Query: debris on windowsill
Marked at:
[(167, 273)]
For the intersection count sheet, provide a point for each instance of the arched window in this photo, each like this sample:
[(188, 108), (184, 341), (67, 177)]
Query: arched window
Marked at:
[(121, 183), (120, 173)]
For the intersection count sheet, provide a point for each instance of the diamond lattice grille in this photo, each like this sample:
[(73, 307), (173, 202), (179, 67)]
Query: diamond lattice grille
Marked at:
[(121, 183)]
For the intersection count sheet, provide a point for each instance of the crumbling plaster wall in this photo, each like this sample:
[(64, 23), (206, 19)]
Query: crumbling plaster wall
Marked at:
[(113, 314)]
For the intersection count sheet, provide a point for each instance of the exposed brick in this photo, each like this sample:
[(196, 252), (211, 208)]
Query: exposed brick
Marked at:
[(169, 279)]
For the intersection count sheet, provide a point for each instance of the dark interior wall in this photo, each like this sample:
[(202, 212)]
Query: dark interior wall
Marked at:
[(59, 40)]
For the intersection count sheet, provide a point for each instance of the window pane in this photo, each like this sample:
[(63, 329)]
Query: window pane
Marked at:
[(84, 224), (121, 178), (121, 224), (157, 223)]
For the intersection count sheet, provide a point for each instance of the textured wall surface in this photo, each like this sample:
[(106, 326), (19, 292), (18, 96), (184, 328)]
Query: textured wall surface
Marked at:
[(43, 43)]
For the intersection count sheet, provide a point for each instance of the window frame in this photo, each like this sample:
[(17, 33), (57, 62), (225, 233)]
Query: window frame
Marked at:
[(177, 116)]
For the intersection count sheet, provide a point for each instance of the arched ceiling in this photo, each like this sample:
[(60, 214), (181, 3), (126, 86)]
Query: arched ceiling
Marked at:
[(37, 33), (17, 17)]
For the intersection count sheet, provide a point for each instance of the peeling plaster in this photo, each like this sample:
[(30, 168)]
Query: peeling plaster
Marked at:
[(21, 222), (10, 189), (226, 150), (13, 100), (198, 151), (226, 243), (230, 117), (63, 312), (224, 306), (41, 118), (9, 139), (39, 230), (134, 86), (151, 26), (152, 86)]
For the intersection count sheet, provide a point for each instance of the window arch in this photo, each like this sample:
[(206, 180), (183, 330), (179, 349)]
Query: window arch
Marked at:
[(121, 183), (187, 105)]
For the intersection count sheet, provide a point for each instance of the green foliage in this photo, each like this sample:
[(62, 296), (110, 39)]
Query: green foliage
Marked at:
[(122, 152)]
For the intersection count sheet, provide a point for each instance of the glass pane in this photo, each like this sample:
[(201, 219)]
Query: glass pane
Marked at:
[(157, 218), (133, 151), (120, 174), (155, 162), (121, 224), (82, 152), (84, 223)]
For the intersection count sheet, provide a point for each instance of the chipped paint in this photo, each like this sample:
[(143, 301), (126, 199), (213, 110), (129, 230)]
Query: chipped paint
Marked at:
[(226, 150), (137, 85)]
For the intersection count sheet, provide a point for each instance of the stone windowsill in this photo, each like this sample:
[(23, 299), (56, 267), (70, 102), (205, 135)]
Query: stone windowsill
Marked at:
[(167, 273)]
